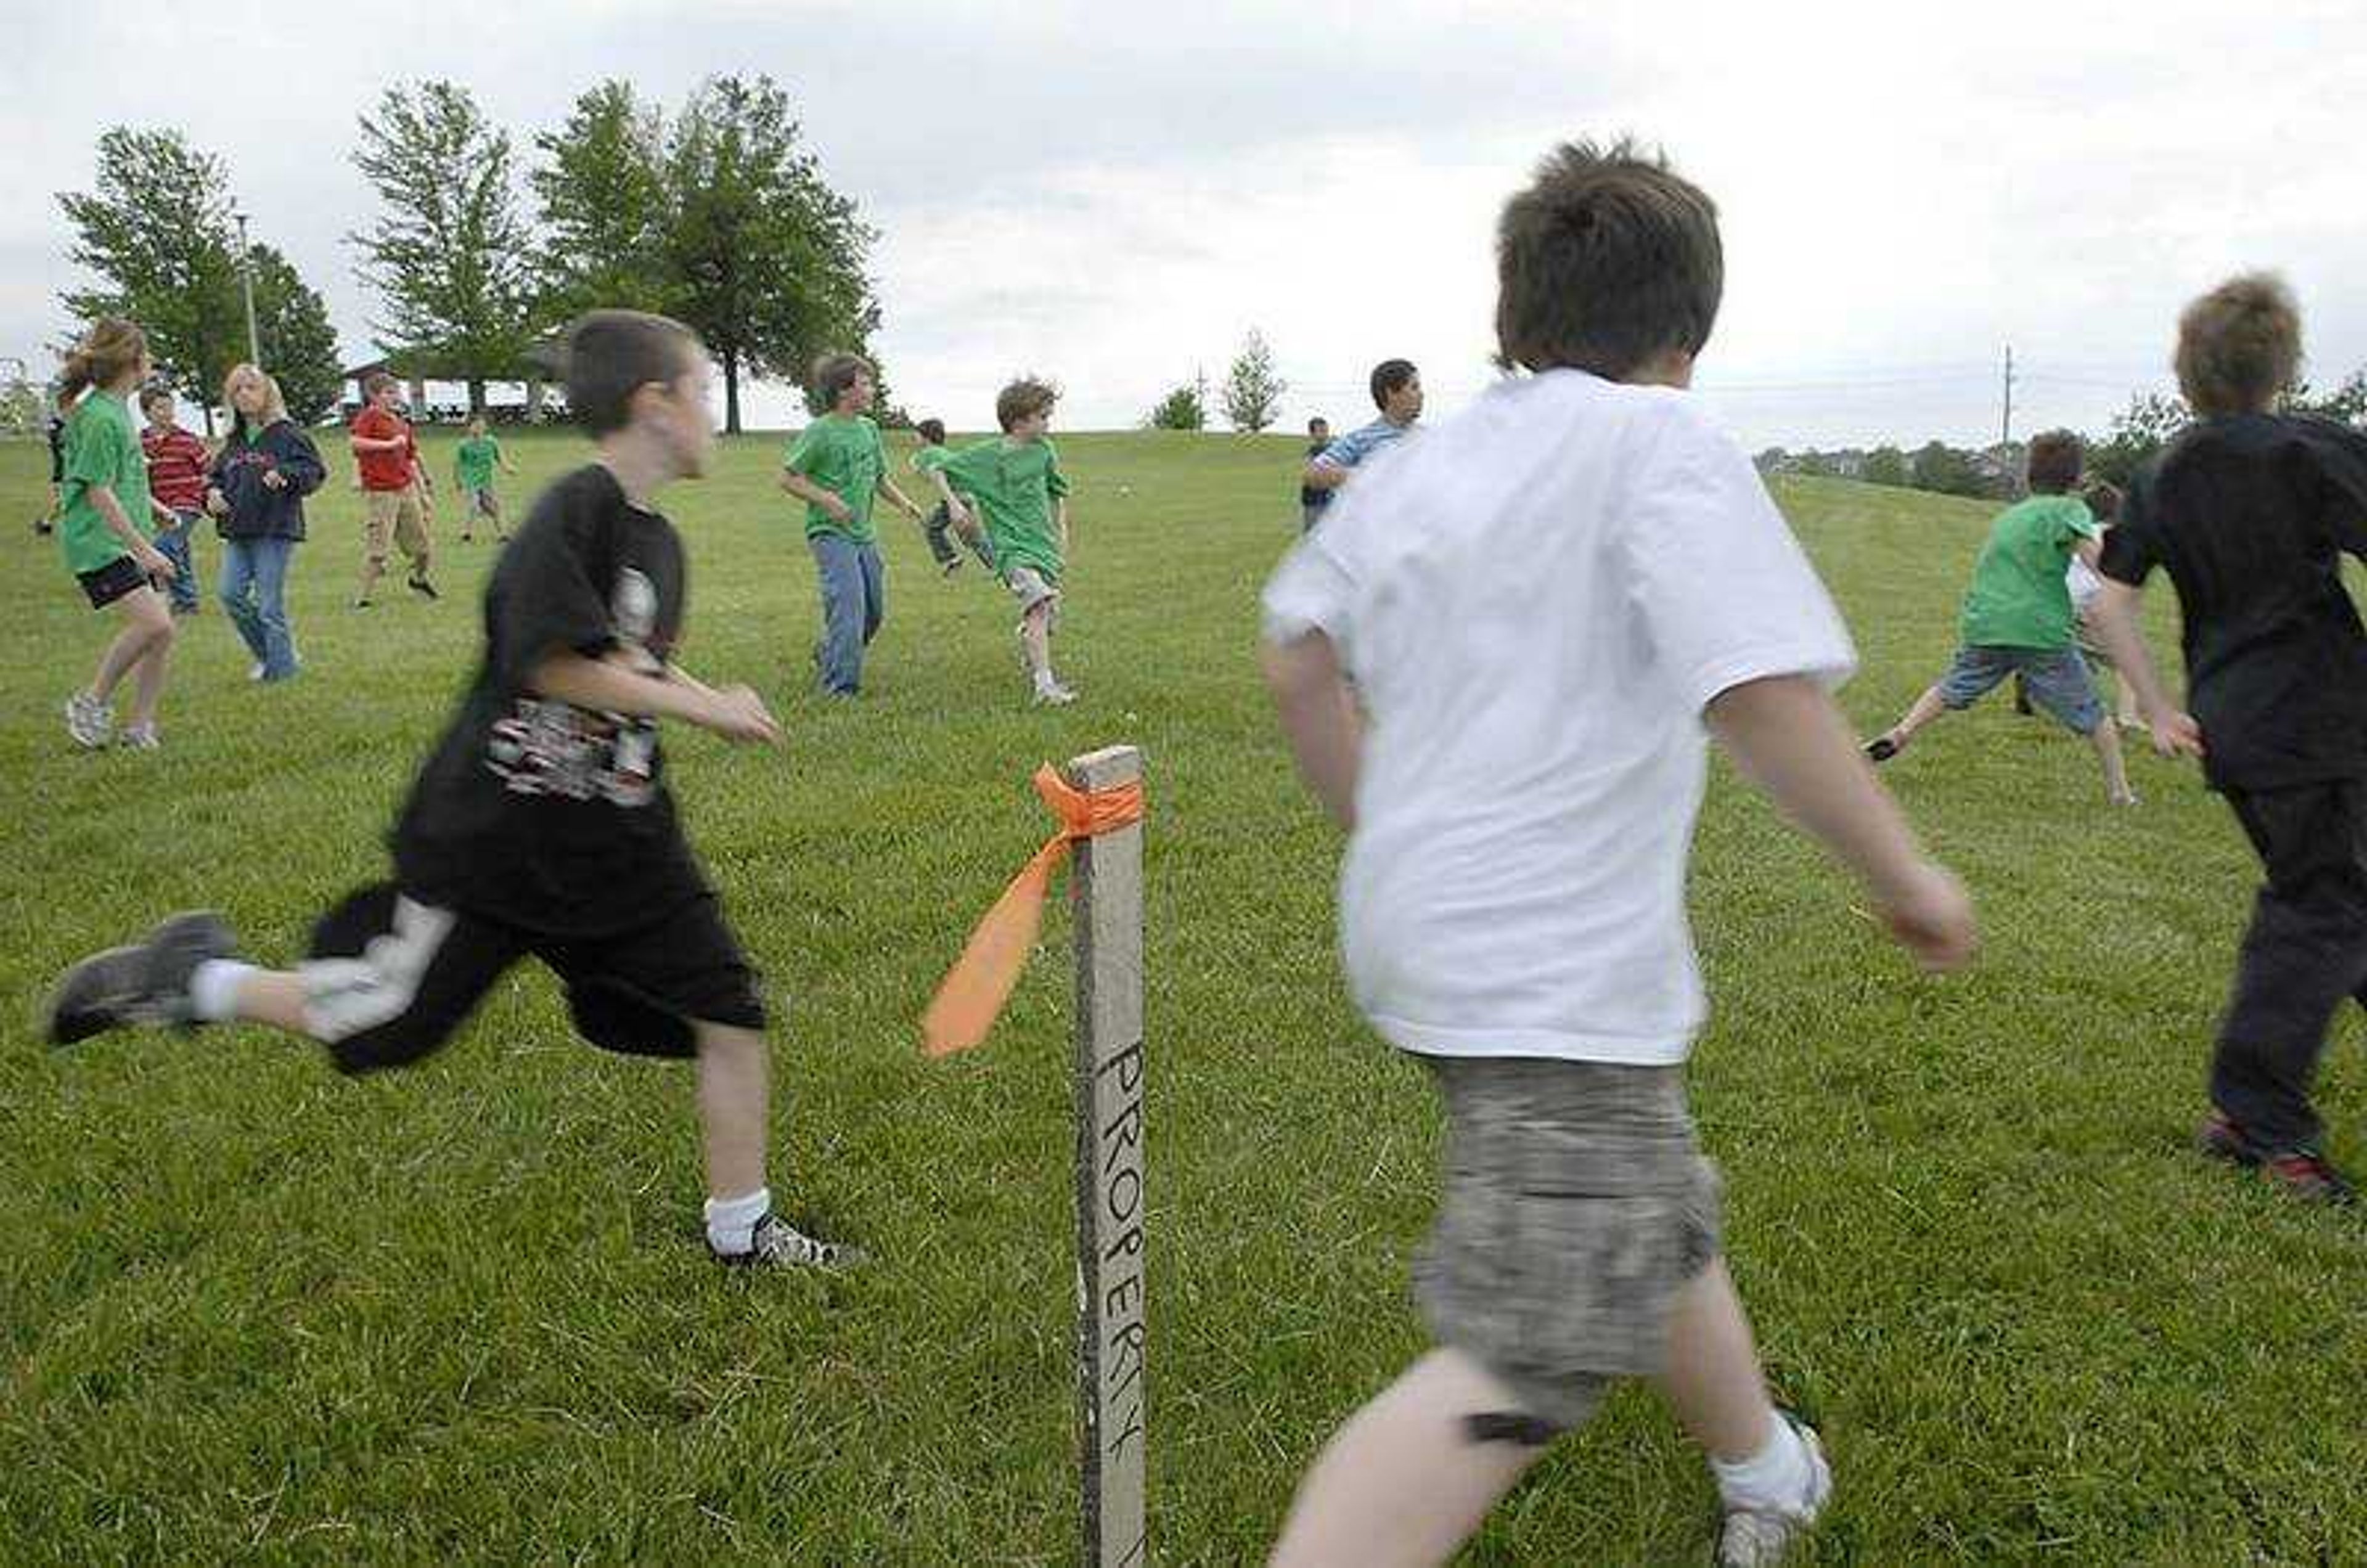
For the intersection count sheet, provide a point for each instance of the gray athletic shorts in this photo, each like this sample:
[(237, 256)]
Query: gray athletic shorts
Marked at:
[(1027, 585), (2056, 678), (1575, 1205)]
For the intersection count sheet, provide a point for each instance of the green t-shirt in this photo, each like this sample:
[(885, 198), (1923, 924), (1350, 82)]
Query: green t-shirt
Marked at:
[(2017, 598), (474, 460), (840, 452), (102, 449), (1013, 484)]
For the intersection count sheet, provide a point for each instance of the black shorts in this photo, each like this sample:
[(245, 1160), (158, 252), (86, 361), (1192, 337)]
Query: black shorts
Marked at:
[(390, 979), (112, 581)]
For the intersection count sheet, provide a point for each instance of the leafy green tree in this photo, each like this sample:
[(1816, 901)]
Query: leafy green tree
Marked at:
[(765, 260), (1254, 388), (2347, 404), (1182, 409), (300, 346), (156, 232), (1885, 466), (606, 208), (1940, 467), (2139, 432), (449, 251)]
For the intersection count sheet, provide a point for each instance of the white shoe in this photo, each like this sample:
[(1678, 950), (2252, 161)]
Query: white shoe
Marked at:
[(140, 738), (255, 671), (776, 1244), (1756, 1538), (1053, 694), (89, 721)]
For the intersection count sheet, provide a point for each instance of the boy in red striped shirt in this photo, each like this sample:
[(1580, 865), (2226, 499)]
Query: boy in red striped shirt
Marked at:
[(178, 461)]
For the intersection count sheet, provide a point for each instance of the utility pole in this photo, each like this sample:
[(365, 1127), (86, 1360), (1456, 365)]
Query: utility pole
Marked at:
[(2005, 429), (247, 287)]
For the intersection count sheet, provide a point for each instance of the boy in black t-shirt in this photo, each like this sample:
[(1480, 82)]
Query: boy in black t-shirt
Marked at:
[(1313, 499), (2250, 512), (540, 824)]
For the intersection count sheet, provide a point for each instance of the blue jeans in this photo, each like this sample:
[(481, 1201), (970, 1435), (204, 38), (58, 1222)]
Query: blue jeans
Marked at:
[(172, 544), (254, 591), (854, 602)]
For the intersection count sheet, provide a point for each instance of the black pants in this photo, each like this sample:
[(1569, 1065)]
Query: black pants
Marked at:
[(2305, 951), (941, 547)]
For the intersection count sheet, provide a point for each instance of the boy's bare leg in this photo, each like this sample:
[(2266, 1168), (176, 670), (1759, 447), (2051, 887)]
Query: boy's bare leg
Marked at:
[(734, 1108), (1403, 1483), (2106, 739), (2127, 711), (1036, 640), (1712, 1383), (274, 996), (1927, 708)]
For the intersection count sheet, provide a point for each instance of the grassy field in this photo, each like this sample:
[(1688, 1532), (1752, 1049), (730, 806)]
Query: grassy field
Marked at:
[(252, 1312)]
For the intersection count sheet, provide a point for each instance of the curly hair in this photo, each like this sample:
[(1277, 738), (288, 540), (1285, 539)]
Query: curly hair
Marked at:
[(2238, 346)]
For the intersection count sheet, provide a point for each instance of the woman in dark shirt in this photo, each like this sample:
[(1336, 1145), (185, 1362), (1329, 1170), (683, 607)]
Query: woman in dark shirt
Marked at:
[(266, 469)]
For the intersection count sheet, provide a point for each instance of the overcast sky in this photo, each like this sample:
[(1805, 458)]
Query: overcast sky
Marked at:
[(1113, 195)]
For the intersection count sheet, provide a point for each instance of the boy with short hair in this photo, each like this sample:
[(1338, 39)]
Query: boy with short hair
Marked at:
[(177, 462), (940, 524), (473, 462), (1397, 392), (541, 824), (1016, 484), (1312, 498), (835, 466), (395, 487), (2018, 618), (2250, 512), (1518, 756)]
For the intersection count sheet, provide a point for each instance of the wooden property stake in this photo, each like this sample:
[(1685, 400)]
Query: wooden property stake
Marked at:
[(1105, 893)]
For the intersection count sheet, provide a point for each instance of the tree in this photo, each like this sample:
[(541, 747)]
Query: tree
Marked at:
[(606, 208), (157, 231), (300, 346), (2139, 431), (1885, 466), (448, 253), (2347, 404), (1938, 467), (1253, 389), (765, 261), (1182, 409)]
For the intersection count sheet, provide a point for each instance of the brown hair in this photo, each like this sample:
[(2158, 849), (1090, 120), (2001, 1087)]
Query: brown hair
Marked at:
[(152, 394), (611, 355), (376, 382), (2103, 500), (111, 346), (834, 373), (1608, 259), (1390, 376), (932, 431), (1024, 397), (2238, 346), (2054, 459)]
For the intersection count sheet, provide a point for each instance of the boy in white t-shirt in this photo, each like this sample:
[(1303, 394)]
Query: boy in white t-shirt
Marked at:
[(1518, 756)]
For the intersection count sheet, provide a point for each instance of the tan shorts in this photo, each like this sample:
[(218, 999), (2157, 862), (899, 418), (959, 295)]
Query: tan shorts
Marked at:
[(1028, 586), (1575, 1205), (395, 517)]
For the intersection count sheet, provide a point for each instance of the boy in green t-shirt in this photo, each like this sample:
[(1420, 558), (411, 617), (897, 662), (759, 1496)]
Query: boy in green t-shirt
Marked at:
[(472, 467), (835, 467), (2018, 617), (1016, 484), (939, 528)]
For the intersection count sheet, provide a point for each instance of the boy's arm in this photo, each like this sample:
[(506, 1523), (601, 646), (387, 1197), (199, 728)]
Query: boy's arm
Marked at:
[(1789, 739), (609, 687), (1061, 520), (1319, 718), (903, 502), (2113, 618), (2090, 549), (955, 507), (805, 489)]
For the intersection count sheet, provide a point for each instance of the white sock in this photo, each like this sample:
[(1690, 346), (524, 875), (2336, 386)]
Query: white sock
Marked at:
[(1045, 679), (731, 1222), (1775, 1477), (214, 988)]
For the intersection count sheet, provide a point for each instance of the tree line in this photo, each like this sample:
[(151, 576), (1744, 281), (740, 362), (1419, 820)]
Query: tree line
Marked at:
[(716, 213), (2139, 432)]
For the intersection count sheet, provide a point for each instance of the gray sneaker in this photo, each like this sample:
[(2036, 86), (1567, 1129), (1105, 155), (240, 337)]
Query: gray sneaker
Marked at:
[(145, 984), (89, 721), (1754, 1538), (780, 1245)]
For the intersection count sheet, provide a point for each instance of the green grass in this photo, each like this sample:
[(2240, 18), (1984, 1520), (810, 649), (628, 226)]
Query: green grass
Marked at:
[(251, 1311)]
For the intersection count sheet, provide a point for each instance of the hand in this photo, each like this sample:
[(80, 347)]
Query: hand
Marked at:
[(961, 517), (2175, 733), (217, 503), (737, 713), (1931, 917), (274, 480), (151, 560)]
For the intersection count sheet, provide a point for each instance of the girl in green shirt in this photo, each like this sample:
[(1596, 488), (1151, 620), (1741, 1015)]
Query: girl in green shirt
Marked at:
[(104, 527)]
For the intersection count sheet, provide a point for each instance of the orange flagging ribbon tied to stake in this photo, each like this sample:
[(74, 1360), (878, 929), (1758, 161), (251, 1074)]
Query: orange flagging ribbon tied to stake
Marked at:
[(980, 982)]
